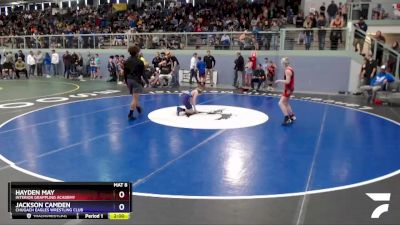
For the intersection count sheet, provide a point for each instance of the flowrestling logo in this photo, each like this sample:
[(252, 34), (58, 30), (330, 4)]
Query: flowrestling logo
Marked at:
[(379, 197)]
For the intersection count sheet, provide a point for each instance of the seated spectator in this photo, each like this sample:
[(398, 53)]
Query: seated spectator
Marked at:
[(378, 13), (258, 77), (225, 40), (20, 67), (378, 82)]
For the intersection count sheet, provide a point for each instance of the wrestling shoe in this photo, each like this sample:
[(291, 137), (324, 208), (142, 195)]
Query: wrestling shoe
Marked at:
[(139, 109), (178, 110), (287, 121), (292, 117), (130, 116)]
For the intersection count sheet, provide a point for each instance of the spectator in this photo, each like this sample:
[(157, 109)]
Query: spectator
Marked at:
[(378, 82), (370, 69), (225, 41), (39, 63), (47, 64), (20, 67), (271, 70), (379, 50), (31, 63), (332, 11), (201, 67), (336, 33), (322, 9), (393, 58), (321, 24), (19, 54), (67, 60), (275, 35), (249, 72), (308, 25), (193, 68), (93, 68), (156, 60), (8, 65), (359, 37), (121, 67), (258, 77), (364, 79), (343, 11), (239, 71), (112, 69), (55, 59), (378, 13), (174, 69), (98, 64), (210, 64)]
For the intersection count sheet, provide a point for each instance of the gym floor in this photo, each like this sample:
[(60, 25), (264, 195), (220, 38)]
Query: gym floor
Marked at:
[(243, 169)]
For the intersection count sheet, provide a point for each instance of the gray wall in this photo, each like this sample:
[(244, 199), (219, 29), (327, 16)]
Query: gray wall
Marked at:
[(315, 71)]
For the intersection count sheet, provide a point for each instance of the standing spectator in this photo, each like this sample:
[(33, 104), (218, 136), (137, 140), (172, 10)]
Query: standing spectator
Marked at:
[(359, 37), (239, 71), (20, 67), (121, 66), (378, 13), (343, 11), (19, 54), (370, 69), (201, 67), (112, 69), (8, 64), (174, 69), (363, 78), (332, 11), (210, 64), (55, 59), (47, 64), (93, 68), (336, 33), (271, 70), (98, 63), (249, 72), (193, 68), (308, 25), (31, 63), (322, 9), (67, 60), (321, 24), (393, 58), (39, 63), (275, 35), (379, 50), (79, 65)]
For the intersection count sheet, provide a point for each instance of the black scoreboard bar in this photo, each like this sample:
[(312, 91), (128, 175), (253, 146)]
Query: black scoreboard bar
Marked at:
[(69, 200)]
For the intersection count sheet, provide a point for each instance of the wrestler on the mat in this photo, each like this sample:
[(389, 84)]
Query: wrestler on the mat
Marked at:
[(189, 100), (289, 88)]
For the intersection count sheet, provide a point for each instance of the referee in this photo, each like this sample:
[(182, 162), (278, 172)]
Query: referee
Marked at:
[(134, 76)]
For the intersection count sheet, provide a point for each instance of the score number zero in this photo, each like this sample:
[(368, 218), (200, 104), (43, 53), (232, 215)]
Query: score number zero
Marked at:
[(121, 195)]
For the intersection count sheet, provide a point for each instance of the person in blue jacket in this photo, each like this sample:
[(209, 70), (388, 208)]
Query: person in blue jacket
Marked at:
[(379, 82), (201, 67)]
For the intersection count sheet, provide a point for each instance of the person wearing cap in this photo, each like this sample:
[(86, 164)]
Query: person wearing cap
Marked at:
[(20, 67), (193, 68), (359, 37), (378, 82)]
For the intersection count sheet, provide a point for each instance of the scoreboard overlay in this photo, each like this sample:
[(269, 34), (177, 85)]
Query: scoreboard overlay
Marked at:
[(70, 200)]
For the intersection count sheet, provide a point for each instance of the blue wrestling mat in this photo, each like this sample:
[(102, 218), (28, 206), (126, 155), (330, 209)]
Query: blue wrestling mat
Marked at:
[(242, 150)]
